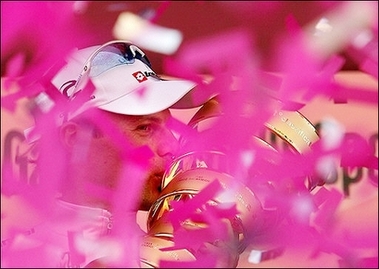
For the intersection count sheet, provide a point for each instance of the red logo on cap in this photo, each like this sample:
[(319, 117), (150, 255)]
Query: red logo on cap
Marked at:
[(140, 77)]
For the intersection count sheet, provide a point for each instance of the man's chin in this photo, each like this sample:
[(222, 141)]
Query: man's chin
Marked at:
[(145, 205), (144, 208)]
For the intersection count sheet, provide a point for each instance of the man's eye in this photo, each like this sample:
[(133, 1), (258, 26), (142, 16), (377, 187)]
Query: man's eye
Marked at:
[(144, 127)]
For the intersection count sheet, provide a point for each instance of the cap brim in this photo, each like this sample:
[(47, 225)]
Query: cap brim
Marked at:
[(119, 92), (149, 98)]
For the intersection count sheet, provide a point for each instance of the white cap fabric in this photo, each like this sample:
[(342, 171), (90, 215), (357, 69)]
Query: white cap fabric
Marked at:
[(130, 87), (129, 90)]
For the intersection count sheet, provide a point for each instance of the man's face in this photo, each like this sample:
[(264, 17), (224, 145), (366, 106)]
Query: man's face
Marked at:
[(104, 163)]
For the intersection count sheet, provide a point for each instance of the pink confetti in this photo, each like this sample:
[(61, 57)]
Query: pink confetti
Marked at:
[(231, 59)]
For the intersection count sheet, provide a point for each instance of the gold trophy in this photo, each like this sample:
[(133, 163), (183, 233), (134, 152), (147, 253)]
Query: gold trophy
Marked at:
[(193, 172)]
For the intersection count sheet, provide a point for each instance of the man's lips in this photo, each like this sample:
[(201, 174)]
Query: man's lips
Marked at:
[(158, 177)]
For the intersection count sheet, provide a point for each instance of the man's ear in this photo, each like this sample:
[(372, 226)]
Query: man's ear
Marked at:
[(68, 134)]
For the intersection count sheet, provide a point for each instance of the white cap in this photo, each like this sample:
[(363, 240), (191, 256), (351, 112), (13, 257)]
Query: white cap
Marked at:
[(122, 85)]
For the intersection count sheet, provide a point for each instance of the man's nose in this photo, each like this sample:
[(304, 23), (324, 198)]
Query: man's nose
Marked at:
[(168, 146)]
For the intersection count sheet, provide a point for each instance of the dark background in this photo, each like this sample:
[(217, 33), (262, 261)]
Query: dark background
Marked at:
[(264, 20), (197, 19)]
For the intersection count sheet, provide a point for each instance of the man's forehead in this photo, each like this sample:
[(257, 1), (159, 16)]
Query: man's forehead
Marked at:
[(157, 117)]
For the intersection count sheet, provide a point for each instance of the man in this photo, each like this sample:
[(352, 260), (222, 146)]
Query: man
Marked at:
[(113, 141), (132, 98)]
